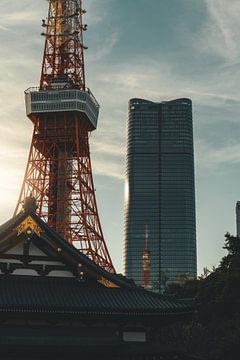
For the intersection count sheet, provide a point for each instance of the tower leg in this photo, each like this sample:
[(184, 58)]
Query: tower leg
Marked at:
[(59, 176)]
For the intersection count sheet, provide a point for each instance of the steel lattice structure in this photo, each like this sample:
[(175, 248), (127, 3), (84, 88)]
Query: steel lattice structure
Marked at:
[(64, 49), (64, 113)]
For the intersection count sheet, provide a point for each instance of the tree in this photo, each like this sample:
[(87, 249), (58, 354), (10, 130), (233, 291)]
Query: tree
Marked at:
[(216, 332)]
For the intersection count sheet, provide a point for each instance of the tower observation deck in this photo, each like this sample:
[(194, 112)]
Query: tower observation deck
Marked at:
[(64, 113)]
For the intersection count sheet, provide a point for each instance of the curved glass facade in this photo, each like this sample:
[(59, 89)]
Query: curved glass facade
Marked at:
[(160, 190)]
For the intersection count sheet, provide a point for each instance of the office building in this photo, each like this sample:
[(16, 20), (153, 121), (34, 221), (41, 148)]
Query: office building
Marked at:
[(160, 191), (238, 218)]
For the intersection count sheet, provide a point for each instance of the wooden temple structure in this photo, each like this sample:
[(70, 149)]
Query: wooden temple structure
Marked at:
[(57, 303)]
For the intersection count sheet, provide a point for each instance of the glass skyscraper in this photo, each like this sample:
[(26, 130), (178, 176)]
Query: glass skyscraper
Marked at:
[(160, 192), (238, 218)]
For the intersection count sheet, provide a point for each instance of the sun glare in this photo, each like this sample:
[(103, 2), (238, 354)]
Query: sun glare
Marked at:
[(9, 187)]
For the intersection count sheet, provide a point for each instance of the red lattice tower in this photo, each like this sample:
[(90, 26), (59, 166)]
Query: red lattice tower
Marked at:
[(146, 258), (64, 113)]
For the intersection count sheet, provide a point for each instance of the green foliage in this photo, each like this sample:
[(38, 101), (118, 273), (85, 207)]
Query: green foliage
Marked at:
[(216, 332), (189, 289)]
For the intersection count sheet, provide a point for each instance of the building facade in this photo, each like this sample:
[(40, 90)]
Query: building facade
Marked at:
[(160, 191), (238, 218)]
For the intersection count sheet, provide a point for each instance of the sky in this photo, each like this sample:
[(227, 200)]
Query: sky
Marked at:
[(154, 49)]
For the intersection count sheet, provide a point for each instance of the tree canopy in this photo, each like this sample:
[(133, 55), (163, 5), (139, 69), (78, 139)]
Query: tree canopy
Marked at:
[(216, 332)]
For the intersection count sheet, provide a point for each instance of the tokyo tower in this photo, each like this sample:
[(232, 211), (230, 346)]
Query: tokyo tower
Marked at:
[(64, 113)]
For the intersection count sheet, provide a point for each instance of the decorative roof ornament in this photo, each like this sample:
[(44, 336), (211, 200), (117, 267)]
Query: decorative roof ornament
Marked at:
[(29, 227), (107, 283)]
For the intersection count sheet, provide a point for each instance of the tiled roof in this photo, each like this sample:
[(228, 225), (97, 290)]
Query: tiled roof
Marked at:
[(68, 295), (47, 294)]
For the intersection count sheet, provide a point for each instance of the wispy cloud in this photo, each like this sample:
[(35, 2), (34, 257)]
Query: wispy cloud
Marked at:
[(105, 148), (102, 166), (212, 159), (104, 47), (221, 34), (23, 13), (114, 84), (96, 11)]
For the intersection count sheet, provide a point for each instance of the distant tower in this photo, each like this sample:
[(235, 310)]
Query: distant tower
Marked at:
[(160, 190), (238, 218), (64, 113), (146, 264)]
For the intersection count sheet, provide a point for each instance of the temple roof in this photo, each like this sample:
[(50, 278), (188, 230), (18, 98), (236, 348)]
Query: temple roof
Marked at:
[(40, 272), (67, 295), (50, 241)]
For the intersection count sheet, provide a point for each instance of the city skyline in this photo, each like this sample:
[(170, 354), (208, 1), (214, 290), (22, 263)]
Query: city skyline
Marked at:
[(200, 61)]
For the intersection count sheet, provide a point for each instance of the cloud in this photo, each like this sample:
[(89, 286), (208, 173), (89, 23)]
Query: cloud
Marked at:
[(114, 82), (22, 14), (17, 18), (212, 159), (221, 33), (215, 100), (96, 11), (104, 148), (159, 81), (104, 167), (104, 47)]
